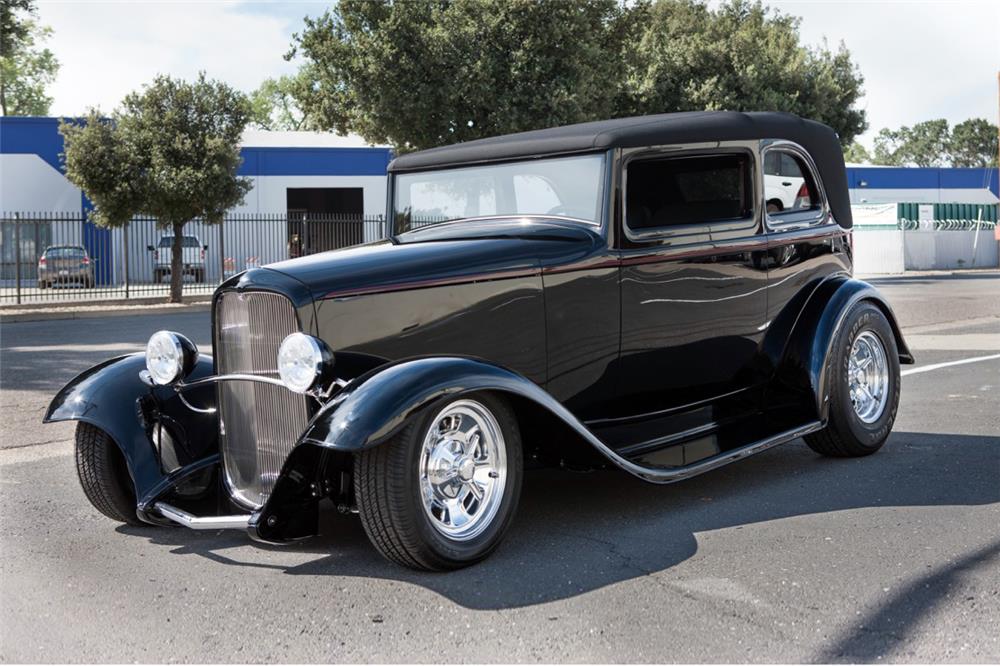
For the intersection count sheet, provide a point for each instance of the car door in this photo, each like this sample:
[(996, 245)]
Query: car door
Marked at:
[(693, 282)]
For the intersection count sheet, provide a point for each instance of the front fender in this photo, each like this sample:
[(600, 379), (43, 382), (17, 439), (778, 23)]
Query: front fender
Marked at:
[(805, 360), (110, 396)]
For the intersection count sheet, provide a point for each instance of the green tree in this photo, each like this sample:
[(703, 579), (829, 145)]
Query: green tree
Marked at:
[(274, 105), (170, 152), (974, 144), (423, 74), (857, 154), (739, 57), (926, 144), (26, 69)]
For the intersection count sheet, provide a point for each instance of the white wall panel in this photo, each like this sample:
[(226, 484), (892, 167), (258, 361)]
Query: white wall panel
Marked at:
[(878, 251), (30, 184)]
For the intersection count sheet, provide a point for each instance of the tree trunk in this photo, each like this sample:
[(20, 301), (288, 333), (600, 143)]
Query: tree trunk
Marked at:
[(177, 264)]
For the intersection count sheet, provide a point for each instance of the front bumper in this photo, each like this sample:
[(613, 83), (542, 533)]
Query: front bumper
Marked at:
[(181, 517)]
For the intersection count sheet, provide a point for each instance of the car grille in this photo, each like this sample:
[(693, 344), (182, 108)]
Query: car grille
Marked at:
[(258, 423)]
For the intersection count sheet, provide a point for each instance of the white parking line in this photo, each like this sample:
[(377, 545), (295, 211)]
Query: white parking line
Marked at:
[(938, 366)]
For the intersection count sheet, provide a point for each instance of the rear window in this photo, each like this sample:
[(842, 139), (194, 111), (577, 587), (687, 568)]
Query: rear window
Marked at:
[(688, 190), (65, 253), (189, 241)]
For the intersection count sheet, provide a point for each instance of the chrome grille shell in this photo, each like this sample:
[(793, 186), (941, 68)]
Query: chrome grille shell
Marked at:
[(258, 423)]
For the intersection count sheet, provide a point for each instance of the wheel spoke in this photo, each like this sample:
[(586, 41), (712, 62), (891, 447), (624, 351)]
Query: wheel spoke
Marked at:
[(476, 490)]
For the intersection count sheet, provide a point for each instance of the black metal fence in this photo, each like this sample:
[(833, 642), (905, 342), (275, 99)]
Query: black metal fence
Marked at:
[(53, 257)]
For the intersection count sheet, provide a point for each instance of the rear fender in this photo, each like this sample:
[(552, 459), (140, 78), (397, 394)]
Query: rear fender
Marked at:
[(804, 362), (110, 396)]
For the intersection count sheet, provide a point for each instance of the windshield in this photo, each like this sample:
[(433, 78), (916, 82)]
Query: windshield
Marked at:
[(563, 186)]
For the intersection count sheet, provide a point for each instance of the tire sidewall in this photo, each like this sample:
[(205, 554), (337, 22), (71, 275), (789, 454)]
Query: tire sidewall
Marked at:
[(864, 317), (473, 550)]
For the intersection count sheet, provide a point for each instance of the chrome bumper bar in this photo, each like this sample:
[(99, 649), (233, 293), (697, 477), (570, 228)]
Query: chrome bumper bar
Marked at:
[(186, 519)]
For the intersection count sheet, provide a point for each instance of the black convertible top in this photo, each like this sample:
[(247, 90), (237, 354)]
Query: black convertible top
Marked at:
[(819, 140)]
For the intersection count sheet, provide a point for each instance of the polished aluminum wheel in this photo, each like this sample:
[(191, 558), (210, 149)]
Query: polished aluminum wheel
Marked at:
[(463, 470), (868, 377)]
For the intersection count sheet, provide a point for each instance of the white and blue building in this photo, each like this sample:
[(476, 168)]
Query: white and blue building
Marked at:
[(295, 176)]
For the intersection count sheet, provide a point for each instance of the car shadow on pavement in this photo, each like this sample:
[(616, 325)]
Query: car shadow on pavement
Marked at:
[(576, 533)]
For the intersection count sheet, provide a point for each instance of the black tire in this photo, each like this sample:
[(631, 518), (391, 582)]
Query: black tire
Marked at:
[(104, 476), (774, 206), (846, 435), (388, 495), (157, 277), (199, 275), (41, 285)]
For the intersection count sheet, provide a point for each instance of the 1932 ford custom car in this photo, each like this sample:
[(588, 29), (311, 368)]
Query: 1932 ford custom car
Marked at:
[(615, 293)]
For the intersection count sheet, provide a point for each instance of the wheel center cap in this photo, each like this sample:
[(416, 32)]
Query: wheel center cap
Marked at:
[(466, 468)]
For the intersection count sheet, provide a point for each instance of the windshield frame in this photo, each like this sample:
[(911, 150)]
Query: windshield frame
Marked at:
[(604, 197)]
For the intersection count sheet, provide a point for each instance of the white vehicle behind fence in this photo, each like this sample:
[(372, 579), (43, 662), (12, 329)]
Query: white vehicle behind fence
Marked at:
[(193, 256), (784, 185)]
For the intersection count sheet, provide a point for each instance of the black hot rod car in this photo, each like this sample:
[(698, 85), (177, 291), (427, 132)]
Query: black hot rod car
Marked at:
[(617, 293)]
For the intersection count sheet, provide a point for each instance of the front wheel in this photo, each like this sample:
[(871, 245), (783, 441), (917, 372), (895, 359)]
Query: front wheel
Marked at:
[(104, 475), (441, 494), (863, 375)]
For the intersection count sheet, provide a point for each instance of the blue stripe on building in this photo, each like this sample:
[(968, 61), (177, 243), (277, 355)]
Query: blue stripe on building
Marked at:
[(927, 178)]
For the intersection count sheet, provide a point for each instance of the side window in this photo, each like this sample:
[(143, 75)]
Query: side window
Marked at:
[(673, 191), (789, 185)]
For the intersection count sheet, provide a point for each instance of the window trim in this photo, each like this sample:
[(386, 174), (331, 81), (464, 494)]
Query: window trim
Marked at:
[(695, 232), (791, 220)]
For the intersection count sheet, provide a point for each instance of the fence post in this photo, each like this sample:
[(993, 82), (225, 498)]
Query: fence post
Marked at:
[(222, 251), (125, 255), (17, 254)]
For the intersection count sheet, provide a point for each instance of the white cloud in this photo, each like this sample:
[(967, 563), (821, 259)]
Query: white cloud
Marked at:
[(108, 49), (920, 60)]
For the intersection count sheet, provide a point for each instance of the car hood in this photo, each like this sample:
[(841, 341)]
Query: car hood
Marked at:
[(484, 248)]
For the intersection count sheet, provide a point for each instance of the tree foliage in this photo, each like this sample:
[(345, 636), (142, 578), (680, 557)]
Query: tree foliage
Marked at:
[(274, 105), (972, 143), (26, 68), (171, 151), (423, 74), (740, 57), (856, 153)]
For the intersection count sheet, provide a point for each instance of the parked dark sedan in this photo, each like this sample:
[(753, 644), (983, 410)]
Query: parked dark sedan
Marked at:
[(611, 293), (65, 264)]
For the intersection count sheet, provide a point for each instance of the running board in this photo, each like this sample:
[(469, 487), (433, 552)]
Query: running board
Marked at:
[(186, 519), (672, 474)]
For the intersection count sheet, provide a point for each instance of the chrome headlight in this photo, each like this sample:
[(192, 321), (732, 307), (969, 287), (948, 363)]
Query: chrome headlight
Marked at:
[(169, 357), (302, 360)]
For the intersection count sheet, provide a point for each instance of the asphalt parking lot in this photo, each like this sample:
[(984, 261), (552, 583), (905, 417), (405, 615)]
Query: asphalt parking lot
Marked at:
[(783, 557)]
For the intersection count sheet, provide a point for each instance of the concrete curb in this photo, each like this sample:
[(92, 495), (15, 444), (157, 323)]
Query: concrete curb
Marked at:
[(95, 312)]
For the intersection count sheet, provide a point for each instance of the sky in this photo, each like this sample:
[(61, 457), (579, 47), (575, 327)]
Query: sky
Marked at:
[(920, 60)]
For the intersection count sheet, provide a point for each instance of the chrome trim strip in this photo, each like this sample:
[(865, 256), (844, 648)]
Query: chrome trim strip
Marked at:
[(231, 377), (186, 519)]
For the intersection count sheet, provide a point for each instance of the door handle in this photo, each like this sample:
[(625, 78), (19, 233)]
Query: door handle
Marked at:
[(786, 183)]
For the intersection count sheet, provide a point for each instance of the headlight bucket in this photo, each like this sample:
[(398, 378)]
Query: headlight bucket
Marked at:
[(170, 357), (302, 361)]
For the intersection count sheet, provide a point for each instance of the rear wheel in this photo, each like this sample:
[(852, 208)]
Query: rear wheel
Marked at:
[(863, 371), (441, 494), (41, 284), (104, 475)]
